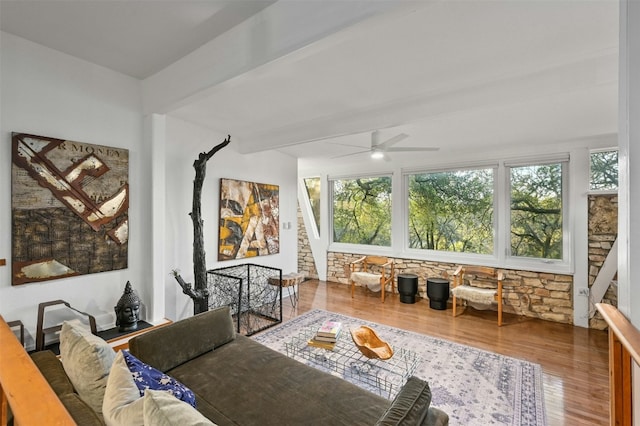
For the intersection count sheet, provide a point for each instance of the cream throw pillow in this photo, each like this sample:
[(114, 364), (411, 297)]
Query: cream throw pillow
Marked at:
[(86, 359), (163, 409), (122, 401)]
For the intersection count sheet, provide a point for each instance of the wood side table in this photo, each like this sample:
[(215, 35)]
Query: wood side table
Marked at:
[(122, 342), (290, 282)]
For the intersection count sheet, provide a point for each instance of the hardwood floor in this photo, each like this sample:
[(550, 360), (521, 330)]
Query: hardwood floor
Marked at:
[(574, 359)]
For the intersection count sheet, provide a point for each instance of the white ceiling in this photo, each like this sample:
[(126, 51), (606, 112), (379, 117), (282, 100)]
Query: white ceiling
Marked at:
[(137, 38), (454, 74)]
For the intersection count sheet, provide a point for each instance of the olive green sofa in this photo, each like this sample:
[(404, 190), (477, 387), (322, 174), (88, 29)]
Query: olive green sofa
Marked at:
[(238, 381)]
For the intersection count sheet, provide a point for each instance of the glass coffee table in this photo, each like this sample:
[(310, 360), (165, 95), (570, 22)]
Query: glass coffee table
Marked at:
[(384, 377)]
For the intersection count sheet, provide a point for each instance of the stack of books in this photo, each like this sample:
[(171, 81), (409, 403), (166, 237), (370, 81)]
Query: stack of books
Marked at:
[(327, 335)]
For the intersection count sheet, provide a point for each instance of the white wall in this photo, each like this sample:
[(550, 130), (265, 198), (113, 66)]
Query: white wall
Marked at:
[(629, 140), (629, 200), (184, 142), (48, 93), (45, 92)]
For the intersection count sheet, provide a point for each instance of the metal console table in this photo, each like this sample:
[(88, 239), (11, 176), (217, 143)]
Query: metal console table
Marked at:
[(382, 377)]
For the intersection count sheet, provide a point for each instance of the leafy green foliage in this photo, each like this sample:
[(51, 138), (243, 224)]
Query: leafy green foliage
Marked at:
[(362, 211), (313, 193), (452, 211), (536, 211), (604, 170)]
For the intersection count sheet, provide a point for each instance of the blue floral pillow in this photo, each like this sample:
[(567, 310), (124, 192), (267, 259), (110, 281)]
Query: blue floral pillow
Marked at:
[(147, 377)]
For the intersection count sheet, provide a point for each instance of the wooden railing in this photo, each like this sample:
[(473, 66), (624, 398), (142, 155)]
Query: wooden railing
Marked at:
[(23, 387), (624, 350)]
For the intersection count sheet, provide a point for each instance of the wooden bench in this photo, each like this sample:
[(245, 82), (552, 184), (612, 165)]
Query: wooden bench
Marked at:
[(24, 388)]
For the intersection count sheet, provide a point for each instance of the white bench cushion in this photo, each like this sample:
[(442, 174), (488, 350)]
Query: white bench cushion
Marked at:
[(372, 281), (475, 294)]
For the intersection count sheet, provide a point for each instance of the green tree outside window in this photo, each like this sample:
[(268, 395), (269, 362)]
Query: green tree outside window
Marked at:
[(536, 211), (313, 193), (452, 211), (604, 170), (362, 211)]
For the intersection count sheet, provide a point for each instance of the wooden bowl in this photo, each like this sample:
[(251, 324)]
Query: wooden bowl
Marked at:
[(370, 344)]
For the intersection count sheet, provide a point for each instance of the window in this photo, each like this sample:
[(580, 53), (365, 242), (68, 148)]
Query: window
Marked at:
[(510, 214), (604, 170), (362, 210), (537, 211), (313, 194), (452, 211)]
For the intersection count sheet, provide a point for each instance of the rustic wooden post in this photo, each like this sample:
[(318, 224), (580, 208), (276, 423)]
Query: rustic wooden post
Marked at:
[(199, 293)]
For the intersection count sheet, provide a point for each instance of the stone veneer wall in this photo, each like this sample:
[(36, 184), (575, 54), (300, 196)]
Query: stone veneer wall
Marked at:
[(603, 231), (306, 264), (532, 294)]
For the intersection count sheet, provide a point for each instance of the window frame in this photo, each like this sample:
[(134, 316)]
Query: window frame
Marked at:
[(563, 265), (442, 255), (309, 204), (603, 191), (501, 257), (353, 247)]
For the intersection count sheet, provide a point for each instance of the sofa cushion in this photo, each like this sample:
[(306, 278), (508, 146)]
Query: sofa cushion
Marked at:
[(167, 347), (80, 411), (129, 380), (160, 408), (147, 377), (247, 383), (122, 401), (53, 371), (410, 406), (87, 360), (51, 368), (436, 417)]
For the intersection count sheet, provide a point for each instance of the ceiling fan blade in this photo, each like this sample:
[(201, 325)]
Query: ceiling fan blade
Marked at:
[(347, 144), (392, 141), (413, 149), (350, 154)]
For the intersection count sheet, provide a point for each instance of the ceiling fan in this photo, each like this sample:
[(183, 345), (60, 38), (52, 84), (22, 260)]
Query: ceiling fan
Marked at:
[(379, 149)]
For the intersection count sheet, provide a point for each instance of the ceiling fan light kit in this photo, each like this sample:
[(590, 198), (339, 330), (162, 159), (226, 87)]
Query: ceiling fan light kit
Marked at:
[(377, 154), (378, 150)]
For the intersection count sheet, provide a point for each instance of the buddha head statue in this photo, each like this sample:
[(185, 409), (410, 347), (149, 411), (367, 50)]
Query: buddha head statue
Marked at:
[(128, 309)]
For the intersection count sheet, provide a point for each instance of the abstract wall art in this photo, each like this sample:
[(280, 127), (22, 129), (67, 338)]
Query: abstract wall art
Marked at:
[(249, 219), (69, 208)]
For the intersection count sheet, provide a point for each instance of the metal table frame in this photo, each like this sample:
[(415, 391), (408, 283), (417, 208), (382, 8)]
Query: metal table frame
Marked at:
[(384, 377)]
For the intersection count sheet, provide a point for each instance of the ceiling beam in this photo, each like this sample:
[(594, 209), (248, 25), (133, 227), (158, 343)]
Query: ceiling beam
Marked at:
[(276, 31)]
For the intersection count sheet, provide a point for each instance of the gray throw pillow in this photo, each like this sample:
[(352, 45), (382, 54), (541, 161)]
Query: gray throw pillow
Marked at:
[(87, 360), (163, 409), (122, 401)]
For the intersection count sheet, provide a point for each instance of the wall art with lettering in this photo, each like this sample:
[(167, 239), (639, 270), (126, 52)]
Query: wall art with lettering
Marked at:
[(69, 208), (249, 219)]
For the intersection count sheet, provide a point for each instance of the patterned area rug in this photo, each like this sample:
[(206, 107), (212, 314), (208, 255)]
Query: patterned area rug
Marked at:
[(475, 387)]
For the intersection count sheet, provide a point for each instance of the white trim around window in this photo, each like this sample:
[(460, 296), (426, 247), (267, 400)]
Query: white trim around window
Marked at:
[(501, 219)]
